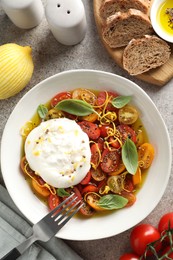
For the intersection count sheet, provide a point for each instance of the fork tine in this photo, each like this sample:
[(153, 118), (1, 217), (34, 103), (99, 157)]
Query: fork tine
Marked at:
[(63, 222), (60, 217), (58, 207)]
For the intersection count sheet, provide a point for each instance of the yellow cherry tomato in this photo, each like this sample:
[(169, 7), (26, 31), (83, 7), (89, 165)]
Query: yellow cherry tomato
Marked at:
[(145, 155), (127, 115)]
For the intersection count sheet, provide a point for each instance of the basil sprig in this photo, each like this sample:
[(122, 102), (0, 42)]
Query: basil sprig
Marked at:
[(112, 201), (42, 111), (75, 107), (130, 156), (62, 192), (121, 101)]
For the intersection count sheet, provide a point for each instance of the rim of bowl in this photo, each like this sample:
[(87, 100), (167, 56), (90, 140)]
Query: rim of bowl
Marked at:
[(157, 28)]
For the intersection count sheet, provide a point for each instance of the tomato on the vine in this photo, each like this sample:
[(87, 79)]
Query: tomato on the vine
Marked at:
[(165, 222), (141, 236), (129, 256), (166, 251)]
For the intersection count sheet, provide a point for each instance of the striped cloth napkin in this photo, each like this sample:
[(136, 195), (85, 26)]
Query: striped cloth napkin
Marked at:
[(15, 228)]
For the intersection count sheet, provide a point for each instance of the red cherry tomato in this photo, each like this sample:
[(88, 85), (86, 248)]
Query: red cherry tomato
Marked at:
[(165, 222), (104, 130), (95, 153), (91, 129), (165, 251), (126, 132), (141, 236), (130, 196), (129, 256), (90, 188), (60, 96), (86, 210), (53, 201), (114, 142), (102, 97), (110, 160), (86, 179)]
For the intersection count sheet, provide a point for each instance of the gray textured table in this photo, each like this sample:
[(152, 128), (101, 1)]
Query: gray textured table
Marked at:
[(50, 57)]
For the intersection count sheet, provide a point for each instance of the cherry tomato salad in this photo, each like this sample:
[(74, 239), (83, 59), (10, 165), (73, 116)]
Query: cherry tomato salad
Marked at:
[(120, 151)]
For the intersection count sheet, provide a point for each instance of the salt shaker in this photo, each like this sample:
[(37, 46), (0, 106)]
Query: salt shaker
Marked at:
[(24, 14), (66, 20)]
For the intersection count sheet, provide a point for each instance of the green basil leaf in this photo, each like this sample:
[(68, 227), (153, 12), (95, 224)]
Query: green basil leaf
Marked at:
[(121, 101), (42, 111), (62, 192), (75, 107), (130, 156), (112, 201)]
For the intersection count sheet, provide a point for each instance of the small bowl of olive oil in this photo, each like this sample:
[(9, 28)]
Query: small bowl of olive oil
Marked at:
[(161, 16)]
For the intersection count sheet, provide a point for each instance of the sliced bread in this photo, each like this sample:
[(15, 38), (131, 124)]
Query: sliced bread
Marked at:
[(141, 55), (110, 7), (120, 28)]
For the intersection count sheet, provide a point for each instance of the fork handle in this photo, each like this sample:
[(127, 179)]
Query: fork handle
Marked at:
[(12, 255)]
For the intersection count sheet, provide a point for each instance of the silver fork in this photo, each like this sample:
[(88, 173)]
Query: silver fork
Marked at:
[(48, 226)]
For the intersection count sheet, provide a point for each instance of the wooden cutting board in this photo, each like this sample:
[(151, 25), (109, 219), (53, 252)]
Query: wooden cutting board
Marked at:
[(159, 76)]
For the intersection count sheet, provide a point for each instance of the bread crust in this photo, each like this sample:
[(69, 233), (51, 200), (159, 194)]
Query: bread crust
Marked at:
[(142, 55), (120, 28), (110, 7)]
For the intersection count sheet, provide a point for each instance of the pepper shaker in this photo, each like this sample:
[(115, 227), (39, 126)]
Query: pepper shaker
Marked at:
[(24, 14), (66, 20)]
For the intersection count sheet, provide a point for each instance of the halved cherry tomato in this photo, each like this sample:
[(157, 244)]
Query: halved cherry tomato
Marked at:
[(25, 167), (59, 97), (42, 191), (128, 183), (91, 129), (104, 130), (92, 199), (127, 115), (130, 196), (90, 118), (121, 167), (114, 142), (116, 183), (126, 132), (137, 177), (129, 256), (95, 154), (89, 188), (86, 210), (84, 94), (141, 236), (145, 155), (86, 179), (53, 201), (97, 174), (110, 160), (102, 98)]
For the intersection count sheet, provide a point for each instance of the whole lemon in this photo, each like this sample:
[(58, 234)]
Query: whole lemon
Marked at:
[(16, 68)]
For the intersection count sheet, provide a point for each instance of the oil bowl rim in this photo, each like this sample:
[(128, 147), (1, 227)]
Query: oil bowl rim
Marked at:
[(157, 28)]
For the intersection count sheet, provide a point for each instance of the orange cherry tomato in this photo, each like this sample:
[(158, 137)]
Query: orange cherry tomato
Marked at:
[(137, 177), (145, 155), (92, 199), (42, 191), (85, 95)]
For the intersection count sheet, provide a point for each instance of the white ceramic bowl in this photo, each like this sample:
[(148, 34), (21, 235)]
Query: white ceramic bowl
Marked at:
[(155, 23), (117, 221)]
